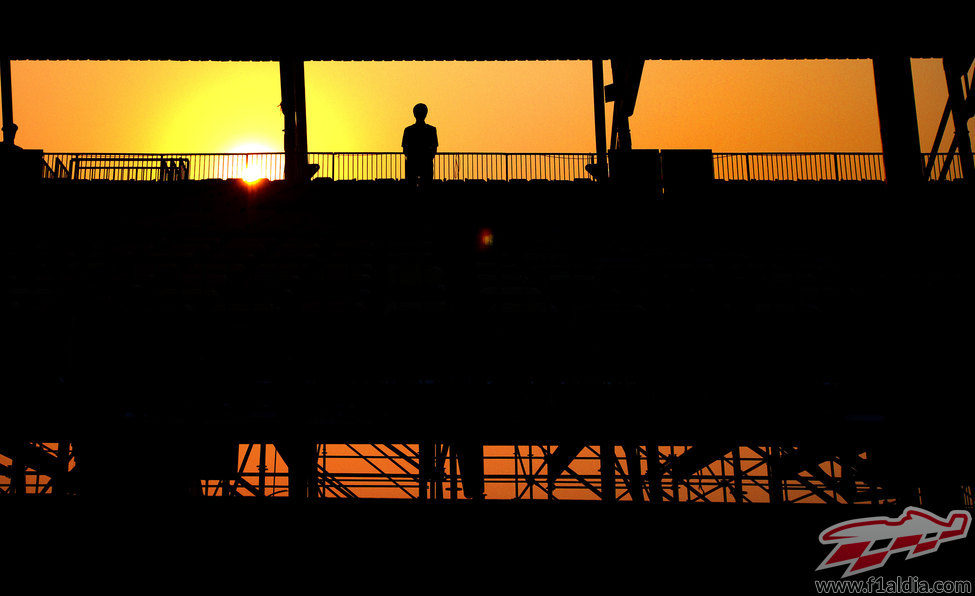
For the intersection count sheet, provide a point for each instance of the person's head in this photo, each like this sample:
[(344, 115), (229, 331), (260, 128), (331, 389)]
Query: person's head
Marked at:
[(420, 112)]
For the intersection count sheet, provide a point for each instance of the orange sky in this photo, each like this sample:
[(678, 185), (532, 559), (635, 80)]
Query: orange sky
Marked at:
[(477, 106)]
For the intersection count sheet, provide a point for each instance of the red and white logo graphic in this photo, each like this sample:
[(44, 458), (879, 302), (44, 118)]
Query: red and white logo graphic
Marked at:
[(919, 531)]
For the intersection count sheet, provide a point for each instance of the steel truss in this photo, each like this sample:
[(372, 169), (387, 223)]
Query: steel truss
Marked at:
[(739, 472), (35, 468), (718, 473), (959, 107)]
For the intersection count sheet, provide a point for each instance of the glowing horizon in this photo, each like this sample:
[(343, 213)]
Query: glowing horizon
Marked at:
[(206, 107)]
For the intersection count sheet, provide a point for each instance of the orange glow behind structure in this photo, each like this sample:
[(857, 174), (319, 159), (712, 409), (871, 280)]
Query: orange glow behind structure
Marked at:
[(201, 107), (485, 239)]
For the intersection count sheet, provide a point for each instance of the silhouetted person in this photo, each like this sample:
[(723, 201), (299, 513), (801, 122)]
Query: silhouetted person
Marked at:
[(419, 146)]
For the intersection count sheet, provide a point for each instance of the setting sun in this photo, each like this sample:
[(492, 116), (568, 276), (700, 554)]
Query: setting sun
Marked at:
[(257, 162)]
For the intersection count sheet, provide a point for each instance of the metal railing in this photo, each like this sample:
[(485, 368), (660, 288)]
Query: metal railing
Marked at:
[(460, 166), (331, 165), (141, 167), (819, 166), (799, 166)]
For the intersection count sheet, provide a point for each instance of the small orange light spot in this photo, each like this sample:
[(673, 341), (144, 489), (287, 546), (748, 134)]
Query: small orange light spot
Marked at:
[(485, 239)]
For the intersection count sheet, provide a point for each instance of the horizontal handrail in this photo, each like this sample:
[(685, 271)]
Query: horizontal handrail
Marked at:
[(501, 166)]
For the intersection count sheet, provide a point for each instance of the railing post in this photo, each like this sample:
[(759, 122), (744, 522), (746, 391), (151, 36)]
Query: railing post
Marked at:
[(836, 167)]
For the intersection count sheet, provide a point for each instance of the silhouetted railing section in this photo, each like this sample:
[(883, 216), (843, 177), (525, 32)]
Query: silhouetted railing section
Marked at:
[(101, 166), (799, 166), (512, 166), (818, 166), (455, 166), (334, 165), (939, 172), (459, 166)]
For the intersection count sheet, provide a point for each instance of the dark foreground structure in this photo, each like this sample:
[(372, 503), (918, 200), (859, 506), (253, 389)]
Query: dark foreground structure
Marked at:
[(357, 313), (203, 347), (635, 383)]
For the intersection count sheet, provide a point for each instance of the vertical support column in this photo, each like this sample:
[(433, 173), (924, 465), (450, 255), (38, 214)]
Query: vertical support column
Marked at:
[(290, 123), (775, 489), (426, 466), (897, 111), (848, 487), (599, 111), (736, 465), (654, 473), (64, 460), (627, 72), (955, 68), (292, 72), (301, 456), (470, 458), (453, 473), (619, 136), (262, 471), (301, 121), (633, 471), (441, 449), (6, 97), (18, 481), (607, 471)]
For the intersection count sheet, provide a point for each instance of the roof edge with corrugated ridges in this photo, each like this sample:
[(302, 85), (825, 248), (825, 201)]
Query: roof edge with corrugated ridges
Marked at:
[(364, 54)]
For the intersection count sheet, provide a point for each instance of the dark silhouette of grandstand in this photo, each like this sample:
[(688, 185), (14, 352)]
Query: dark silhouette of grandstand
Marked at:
[(650, 335)]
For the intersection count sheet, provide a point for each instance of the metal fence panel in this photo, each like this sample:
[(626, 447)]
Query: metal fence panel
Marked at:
[(460, 166)]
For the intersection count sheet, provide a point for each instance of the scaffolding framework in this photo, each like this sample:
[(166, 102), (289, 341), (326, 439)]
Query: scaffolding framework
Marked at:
[(739, 472)]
